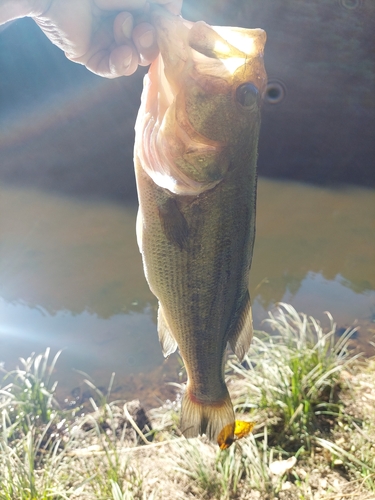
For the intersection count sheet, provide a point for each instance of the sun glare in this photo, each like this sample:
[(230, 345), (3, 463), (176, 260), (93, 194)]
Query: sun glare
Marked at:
[(233, 63), (239, 39)]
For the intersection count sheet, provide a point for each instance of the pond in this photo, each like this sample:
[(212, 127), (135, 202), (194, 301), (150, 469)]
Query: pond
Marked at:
[(71, 278), (70, 271)]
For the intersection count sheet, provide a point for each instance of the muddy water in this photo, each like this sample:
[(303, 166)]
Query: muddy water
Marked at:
[(71, 278), (70, 271)]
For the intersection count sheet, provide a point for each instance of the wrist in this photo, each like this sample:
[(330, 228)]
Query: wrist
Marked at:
[(15, 9)]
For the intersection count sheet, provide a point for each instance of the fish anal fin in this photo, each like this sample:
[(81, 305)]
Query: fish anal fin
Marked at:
[(173, 223), (168, 343), (241, 332), (205, 418)]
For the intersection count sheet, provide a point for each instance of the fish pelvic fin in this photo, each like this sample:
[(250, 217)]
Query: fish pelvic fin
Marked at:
[(199, 417), (241, 334), (168, 343)]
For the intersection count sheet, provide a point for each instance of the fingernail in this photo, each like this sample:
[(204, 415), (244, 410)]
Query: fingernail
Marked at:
[(127, 27), (126, 62), (147, 39)]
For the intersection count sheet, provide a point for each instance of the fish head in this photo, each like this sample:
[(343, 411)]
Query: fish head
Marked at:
[(201, 102)]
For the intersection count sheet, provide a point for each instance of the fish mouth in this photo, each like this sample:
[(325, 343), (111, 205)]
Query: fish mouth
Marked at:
[(208, 55)]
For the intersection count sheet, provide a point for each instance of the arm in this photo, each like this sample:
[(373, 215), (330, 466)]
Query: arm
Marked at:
[(107, 36), (14, 9)]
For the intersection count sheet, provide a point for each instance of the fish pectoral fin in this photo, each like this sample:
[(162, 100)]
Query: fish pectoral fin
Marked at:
[(174, 224), (168, 343), (242, 332)]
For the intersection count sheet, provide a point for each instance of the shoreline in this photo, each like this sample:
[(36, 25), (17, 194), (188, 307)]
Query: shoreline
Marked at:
[(312, 399)]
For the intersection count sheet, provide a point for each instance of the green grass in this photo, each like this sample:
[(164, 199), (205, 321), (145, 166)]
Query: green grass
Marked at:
[(28, 396), (292, 384), (293, 375)]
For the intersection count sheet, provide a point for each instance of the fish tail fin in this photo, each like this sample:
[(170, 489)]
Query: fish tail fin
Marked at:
[(201, 418)]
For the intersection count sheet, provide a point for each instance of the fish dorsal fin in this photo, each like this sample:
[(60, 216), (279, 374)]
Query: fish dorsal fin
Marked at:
[(168, 343), (241, 332)]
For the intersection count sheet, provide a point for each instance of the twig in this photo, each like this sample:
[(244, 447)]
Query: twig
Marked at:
[(86, 451), (363, 433), (135, 426), (341, 495)]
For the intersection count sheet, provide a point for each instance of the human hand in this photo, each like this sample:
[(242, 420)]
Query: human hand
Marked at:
[(110, 37)]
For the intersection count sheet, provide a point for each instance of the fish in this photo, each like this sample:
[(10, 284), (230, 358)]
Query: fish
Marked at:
[(195, 156)]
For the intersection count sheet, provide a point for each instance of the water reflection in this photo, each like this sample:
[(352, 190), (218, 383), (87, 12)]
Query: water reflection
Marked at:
[(122, 343), (302, 229), (63, 254), (71, 275)]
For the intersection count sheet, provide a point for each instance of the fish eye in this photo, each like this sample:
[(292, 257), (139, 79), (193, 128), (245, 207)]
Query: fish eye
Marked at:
[(247, 94)]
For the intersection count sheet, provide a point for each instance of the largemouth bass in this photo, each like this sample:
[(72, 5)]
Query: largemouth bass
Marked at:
[(195, 162)]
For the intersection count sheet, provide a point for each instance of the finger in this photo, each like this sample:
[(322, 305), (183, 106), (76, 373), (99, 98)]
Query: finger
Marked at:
[(144, 38), (120, 61), (123, 63), (99, 64), (123, 27)]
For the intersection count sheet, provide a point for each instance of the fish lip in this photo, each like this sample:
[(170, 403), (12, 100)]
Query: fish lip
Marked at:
[(165, 24)]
